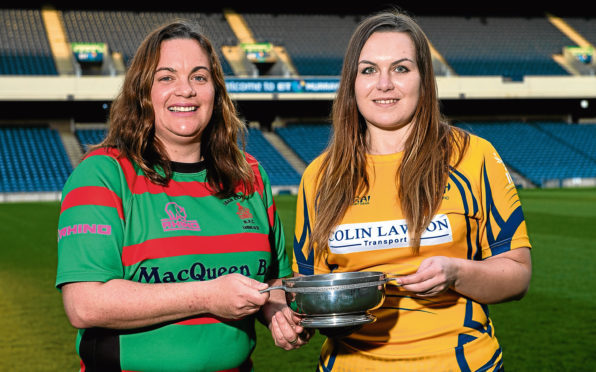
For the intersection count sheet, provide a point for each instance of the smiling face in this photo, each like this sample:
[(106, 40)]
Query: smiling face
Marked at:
[(387, 85), (183, 97)]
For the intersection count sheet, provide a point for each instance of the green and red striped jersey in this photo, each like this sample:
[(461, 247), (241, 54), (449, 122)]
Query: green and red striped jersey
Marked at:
[(116, 224)]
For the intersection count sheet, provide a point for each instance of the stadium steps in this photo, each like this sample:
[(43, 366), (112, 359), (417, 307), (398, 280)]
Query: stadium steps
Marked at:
[(566, 29), (236, 56), (520, 180), (285, 151), (574, 67), (69, 141), (56, 34)]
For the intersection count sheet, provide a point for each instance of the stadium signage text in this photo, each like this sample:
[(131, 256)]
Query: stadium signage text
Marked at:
[(282, 85)]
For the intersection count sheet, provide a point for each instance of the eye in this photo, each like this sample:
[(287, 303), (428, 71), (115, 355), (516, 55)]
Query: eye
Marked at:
[(199, 78), (368, 70), (401, 68)]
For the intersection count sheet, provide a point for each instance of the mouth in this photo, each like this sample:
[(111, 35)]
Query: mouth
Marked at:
[(385, 101), (182, 108)]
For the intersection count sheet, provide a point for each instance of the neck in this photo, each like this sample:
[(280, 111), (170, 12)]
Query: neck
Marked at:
[(185, 154), (383, 142)]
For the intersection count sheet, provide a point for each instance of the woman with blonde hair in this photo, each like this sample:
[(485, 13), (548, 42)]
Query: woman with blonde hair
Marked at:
[(168, 230), (401, 191)]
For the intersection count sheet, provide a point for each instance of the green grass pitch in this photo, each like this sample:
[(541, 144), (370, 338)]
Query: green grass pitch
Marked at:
[(551, 329)]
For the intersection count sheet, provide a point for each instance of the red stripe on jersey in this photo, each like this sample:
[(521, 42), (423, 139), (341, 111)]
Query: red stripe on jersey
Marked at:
[(271, 214), (129, 171), (187, 245), (259, 186), (92, 195), (201, 320)]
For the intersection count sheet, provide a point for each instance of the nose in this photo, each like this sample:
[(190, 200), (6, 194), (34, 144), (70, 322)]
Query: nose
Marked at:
[(185, 88), (384, 83)]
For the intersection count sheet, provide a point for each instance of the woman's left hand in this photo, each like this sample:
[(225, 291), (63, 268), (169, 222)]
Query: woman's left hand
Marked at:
[(499, 278), (284, 324), (434, 276), (286, 330)]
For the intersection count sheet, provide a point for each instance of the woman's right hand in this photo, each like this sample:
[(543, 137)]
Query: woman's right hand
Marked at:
[(235, 296)]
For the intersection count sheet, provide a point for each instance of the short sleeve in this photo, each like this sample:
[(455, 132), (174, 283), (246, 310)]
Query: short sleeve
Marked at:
[(503, 222), (91, 222)]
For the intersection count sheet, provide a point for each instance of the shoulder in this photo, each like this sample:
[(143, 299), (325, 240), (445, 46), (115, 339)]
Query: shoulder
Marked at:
[(102, 165), (477, 147), (100, 159), (313, 168), (254, 164), (251, 160)]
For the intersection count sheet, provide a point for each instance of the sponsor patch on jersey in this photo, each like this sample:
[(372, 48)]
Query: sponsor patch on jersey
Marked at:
[(177, 219), (84, 228), (370, 236)]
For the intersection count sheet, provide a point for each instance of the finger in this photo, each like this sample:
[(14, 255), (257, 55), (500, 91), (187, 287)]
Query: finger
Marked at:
[(278, 337), (421, 287), (288, 331)]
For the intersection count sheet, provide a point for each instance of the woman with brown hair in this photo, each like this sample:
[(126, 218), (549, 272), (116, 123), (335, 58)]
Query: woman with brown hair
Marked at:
[(168, 230), (401, 191)]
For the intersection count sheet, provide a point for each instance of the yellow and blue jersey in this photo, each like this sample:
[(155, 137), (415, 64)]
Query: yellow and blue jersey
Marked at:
[(480, 216)]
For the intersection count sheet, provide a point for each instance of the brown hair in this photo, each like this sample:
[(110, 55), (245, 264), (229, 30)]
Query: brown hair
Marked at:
[(132, 129), (428, 150)]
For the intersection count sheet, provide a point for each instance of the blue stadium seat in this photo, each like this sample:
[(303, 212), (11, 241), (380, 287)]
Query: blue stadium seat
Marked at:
[(32, 158), (541, 151), (307, 140), (280, 172), (124, 31), (24, 47), (511, 47)]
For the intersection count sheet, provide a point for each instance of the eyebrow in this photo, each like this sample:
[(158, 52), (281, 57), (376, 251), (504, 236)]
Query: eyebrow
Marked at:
[(196, 68), (393, 63)]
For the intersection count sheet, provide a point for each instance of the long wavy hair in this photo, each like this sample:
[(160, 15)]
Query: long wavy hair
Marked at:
[(429, 149), (132, 119)]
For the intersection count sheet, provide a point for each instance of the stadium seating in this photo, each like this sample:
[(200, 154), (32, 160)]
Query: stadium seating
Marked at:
[(32, 158), (307, 140), (512, 47), (24, 47), (280, 172), (585, 26), (124, 31), (541, 151), (316, 43), (91, 136)]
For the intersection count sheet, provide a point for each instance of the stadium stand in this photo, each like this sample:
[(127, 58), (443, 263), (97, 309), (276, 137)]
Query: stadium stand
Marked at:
[(586, 26), (32, 158), (24, 47), (541, 151), (280, 172), (316, 43), (123, 31), (545, 153), (307, 140), (512, 47), (89, 136)]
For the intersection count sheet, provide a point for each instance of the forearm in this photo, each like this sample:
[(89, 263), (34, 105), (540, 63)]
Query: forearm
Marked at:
[(498, 279), (126, 304)]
